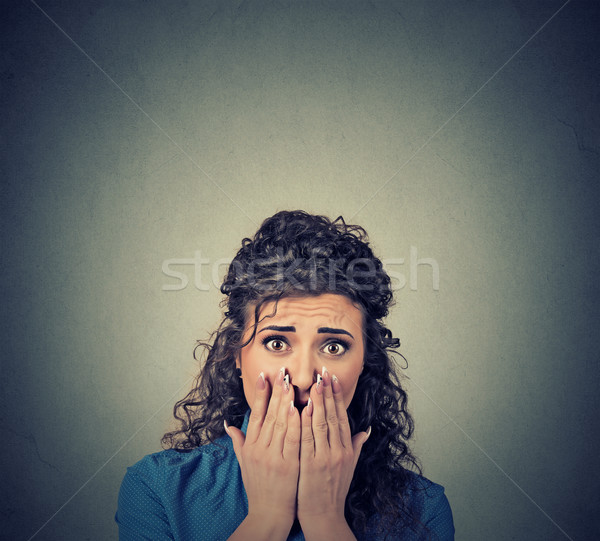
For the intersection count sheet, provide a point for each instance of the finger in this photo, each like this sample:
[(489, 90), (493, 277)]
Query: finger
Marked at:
[(342, 414), (358, 440), (237, 438), (319, 422), (259, 408), (291, 446), (307, 447), (266, 431), (333, 425), (281, 424)]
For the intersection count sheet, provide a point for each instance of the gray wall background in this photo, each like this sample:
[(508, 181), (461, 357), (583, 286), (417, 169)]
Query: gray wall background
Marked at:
[(185, 124)]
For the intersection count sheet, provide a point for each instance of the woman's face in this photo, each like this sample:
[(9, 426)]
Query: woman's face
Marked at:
[(306, 334)]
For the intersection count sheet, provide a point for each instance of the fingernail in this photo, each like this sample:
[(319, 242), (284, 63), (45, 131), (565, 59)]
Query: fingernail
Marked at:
[(319, 382), (286, 383), (281, 375), (309, 407), (292, 408), (261, 381), (368, 433), (226, 427), (335, 384)]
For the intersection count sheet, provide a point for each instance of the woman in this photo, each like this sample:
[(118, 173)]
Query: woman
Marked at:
[(297, 426)]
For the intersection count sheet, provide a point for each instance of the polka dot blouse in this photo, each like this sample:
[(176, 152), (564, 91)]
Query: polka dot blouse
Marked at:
[(199, 496)]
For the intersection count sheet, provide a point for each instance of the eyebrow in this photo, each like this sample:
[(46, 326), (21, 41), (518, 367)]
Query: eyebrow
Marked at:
[(321, 330)]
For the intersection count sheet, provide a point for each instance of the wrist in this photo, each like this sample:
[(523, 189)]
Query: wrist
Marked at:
[(268, 525), (326, 526)]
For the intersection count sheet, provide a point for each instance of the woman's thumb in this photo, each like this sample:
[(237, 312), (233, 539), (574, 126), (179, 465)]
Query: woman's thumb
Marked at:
[(358, 440)]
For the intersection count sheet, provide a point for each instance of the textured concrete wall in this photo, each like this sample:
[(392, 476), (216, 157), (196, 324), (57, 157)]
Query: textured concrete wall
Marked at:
[(136, 133)]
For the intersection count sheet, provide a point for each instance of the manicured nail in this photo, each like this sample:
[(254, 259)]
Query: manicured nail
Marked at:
[(319, 383), (281, 375), (325, 375), (368, 432), (292, 408), (309, 407), (335, 384), (261, 384), (286, 383), (226, 427)]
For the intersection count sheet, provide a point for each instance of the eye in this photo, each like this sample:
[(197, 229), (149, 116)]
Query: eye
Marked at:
[(274, 343), (336, 348)]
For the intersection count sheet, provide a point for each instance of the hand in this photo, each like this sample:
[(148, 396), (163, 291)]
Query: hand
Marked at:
[(269, 458), (328, 457)]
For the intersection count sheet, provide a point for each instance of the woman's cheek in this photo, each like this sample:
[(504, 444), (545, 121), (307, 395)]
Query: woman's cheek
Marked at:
[(348, 393)]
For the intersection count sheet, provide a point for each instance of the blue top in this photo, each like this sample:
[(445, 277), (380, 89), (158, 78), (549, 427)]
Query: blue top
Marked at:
[(199, 495)]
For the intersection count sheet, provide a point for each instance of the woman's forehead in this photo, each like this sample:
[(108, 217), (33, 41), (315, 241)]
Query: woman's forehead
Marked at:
[(328, 306)]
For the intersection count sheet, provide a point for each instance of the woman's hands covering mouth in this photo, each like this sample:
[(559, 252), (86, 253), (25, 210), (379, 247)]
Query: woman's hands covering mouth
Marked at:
[(297, 460)]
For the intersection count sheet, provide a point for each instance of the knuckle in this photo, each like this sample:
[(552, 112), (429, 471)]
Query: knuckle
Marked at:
[(292, 439), (343, 422), (337, 457), (321, 426), (255, 417), (270, 418), (272, 462), (307, 437), (321, 465)]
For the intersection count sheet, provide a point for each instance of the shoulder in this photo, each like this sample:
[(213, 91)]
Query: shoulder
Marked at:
[(171, 476), (155, 468), (424, 513), (157, 490), (422, 488), (430, 503)]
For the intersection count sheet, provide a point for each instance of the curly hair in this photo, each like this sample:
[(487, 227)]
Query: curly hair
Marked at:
[(296, 253)]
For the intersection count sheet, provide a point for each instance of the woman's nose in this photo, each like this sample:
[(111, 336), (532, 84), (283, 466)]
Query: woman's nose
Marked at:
[(302, 376)]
